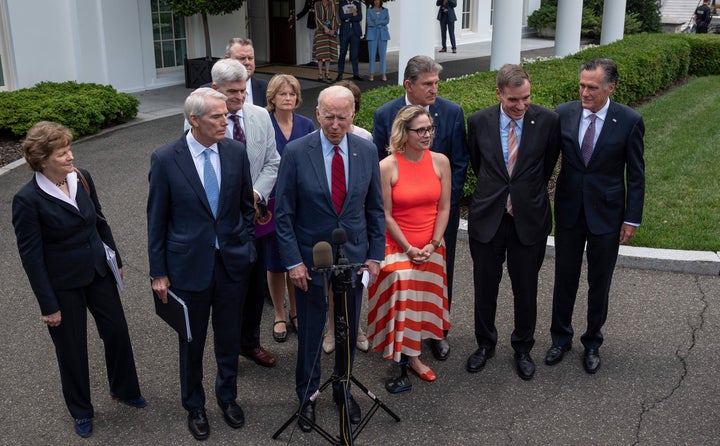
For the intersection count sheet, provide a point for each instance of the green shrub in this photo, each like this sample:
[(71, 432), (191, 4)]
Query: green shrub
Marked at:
[(83, 108), (647, 64)]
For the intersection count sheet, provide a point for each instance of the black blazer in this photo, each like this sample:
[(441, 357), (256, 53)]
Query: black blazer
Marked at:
[(181, 226), (60, 246), (259, 91), (611, 188), (537, 154)]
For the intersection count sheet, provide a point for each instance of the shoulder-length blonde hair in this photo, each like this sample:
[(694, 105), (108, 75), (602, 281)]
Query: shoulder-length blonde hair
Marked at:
[(399, 133), (274, 86)]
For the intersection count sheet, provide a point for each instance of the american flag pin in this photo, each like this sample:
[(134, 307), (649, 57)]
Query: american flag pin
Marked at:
[(532, 122), (614, 120)]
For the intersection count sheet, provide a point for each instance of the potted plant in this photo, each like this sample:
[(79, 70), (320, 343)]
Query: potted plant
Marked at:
[(197, 71)]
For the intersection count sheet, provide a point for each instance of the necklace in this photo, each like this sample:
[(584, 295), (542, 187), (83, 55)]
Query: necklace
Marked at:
[(61, 182)]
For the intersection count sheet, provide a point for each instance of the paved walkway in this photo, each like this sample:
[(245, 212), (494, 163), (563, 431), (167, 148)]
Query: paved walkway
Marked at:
[(659, 383)]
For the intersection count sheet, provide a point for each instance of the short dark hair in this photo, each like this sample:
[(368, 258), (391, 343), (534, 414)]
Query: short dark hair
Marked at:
[(511, 75), (420, 64), (607, 65), (42, 139)]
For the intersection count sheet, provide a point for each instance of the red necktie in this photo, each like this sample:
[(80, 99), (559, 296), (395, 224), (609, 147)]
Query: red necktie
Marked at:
[(238, 134), (338, 180)]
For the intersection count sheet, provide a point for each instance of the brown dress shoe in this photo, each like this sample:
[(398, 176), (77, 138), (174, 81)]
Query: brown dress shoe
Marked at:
[(259, 355)]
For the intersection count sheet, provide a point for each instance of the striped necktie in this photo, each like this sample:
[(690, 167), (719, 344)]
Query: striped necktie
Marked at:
[(338, 180), (512, 157)]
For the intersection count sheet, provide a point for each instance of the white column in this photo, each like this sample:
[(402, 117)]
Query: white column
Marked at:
[(506, 34), (567, 27), (418, 29), (613, 24)]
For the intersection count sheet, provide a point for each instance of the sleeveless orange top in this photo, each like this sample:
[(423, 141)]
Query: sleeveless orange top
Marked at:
[(415, 198)]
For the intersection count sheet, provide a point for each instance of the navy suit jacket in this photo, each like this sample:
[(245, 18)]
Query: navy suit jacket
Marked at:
[(611, 188), (451, 4), (60, 246), (450, 137), (350, 23), (304, 210), (259, 91), (537, 154), (181, 226)]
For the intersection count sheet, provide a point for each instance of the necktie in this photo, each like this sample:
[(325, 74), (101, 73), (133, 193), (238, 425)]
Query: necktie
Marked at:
[(338, 180), (212, 190), (238, 134), (512, 157), (587, 143)]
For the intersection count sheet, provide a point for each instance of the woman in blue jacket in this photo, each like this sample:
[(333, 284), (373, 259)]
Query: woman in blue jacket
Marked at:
[(377, 36)]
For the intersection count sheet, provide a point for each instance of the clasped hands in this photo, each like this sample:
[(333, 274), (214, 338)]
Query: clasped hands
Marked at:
[(420, 255)]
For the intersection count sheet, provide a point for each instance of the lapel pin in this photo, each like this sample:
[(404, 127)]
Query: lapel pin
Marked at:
[(354, 154), (615, 120), (532, 122)]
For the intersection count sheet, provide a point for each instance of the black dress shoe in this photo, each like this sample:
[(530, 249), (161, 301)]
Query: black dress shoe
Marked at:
[(353, 409), (339, 77), (440, 349), (309, 413), (556, 352), (591, 360), (477, 360), (525, 365), (198, 424), (233, 414), (357, 78)]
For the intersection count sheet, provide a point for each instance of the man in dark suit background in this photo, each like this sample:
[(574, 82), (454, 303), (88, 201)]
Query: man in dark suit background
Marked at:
[(350, 18), (242, 50), (513, 150), (421, 78), (598, 200), (200, 242), (309, 206)]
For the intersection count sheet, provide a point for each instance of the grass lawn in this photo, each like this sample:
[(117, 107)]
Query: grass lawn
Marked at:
[(682, 168)]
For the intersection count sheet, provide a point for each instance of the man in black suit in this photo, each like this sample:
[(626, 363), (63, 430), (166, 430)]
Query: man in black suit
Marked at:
[(350, 18), (598, 200), (421, 79), (242, 50), (513, 150), (200, 242)]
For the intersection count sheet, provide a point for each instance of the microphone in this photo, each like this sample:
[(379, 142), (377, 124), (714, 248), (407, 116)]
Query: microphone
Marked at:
[(322, 256), (339, 238)]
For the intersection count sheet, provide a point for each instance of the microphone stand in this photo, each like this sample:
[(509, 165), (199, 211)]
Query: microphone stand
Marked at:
[(341, 281)]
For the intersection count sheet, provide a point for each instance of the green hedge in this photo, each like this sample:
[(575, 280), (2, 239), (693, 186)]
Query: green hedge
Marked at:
[(83, 108), (647, 64)]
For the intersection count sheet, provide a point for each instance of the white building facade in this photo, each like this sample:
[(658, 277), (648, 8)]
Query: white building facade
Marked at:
[(135, 45)]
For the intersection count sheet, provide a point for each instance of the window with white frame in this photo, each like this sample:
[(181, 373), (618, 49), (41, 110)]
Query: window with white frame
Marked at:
[(169, 35), (466, 15)]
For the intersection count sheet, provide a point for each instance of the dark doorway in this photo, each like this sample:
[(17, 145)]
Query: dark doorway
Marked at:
[(282, 31)]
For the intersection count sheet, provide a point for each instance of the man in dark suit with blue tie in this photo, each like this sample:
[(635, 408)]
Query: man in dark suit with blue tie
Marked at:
[(350, 18), (598, 200), (513, 149), (328, 179), (421, 78), (200, 242)]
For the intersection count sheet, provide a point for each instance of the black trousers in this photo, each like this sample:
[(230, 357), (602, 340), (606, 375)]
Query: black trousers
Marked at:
[(102, 299), (523, 263), (251, 311), (225, 297), (602, 251)]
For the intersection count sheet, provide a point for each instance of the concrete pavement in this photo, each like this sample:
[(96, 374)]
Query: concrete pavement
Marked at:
[(659, 383)]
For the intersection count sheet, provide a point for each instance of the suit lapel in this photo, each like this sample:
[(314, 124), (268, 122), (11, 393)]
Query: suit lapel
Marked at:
[(228, 169), (67, 206), (317, 161), (187, 167), (608, 127), (493, 132)]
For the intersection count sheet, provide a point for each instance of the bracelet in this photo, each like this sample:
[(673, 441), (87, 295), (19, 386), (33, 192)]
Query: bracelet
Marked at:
[(435, 243), (409, 249)]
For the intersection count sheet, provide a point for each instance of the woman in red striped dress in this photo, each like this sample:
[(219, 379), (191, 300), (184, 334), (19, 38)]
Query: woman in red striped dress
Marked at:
[(408, 302)]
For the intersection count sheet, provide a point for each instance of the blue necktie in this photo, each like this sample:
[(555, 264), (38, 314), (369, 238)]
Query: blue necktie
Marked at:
[(212, 190)]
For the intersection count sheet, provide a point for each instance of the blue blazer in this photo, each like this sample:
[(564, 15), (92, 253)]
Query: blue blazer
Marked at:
[(350, 23), (60, 246), (377, 24), (537, 155), (451, 4), (304, 211), (181, 226), (450, 136), (611, 188)]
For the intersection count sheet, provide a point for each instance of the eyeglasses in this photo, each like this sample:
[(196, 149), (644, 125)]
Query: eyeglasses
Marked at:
[(422, 131)]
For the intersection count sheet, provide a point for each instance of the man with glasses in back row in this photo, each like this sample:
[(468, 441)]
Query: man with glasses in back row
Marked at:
[(421, 78)]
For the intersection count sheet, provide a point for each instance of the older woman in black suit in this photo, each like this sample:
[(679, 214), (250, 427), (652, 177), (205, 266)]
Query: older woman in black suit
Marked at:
[(60, 232)]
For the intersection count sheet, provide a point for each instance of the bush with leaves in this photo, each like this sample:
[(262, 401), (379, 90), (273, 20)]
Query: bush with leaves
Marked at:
[(83, 108), (647, 63)]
